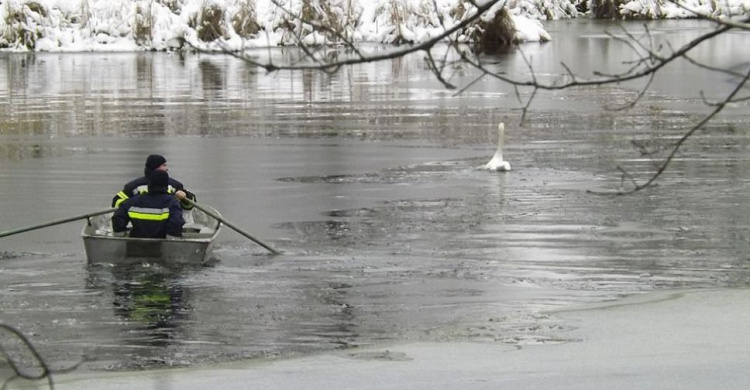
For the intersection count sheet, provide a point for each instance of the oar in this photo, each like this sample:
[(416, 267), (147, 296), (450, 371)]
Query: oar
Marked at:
[(238, 230), (66, 220)]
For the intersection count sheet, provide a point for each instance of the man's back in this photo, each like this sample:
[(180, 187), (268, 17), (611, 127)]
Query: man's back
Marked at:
[(140, 186), (155, 214), (152, 216)]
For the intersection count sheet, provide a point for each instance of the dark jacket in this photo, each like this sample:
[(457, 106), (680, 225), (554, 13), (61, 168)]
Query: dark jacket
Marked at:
[(140, 186), (153, 215)]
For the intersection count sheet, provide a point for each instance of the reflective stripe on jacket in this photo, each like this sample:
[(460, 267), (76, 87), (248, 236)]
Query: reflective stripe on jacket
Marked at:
[(148, 214), (152, 216)]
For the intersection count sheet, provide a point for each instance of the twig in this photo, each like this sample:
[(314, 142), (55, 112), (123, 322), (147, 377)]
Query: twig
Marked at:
[(719, 107), (46, 372)]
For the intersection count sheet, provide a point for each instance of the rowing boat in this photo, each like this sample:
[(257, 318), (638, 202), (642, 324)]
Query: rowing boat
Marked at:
[(198, 235)]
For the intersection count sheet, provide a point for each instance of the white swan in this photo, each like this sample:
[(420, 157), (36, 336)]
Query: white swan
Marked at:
[(497, 163)]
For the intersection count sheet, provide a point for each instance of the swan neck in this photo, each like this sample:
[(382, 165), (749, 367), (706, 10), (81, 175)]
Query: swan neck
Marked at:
[(500, 139)]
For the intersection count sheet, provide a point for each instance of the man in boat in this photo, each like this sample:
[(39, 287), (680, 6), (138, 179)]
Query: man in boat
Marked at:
[(154, 214), (154, 162)]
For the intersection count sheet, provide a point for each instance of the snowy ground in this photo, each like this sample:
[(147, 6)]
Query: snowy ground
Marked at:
[(127, 25)]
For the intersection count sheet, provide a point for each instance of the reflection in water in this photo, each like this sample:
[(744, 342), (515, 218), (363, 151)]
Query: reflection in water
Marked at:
[(156, 301), (178, 317), (13, 152), (212, 78), (167, 94), (159, 94), (153, 303)]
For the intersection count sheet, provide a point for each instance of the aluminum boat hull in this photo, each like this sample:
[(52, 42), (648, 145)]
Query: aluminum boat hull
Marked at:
[(193, 248)]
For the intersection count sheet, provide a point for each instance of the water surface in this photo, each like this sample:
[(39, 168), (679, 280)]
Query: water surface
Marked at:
[(367, 179)]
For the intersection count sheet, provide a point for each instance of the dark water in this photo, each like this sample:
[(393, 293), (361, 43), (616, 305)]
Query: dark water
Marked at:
[(367, 179)]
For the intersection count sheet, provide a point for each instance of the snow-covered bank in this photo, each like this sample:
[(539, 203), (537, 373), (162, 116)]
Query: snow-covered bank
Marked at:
[(129, 25)]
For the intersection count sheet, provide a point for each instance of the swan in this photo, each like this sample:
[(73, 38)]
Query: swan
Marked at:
[(497, 163)]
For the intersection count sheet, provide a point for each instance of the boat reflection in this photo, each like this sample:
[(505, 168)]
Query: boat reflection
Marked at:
[(155, 302), (150, 303)]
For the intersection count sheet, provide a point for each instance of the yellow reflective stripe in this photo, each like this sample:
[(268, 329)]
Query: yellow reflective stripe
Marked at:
[(148, 217), (122, 196), (148, 214), (144, 189)]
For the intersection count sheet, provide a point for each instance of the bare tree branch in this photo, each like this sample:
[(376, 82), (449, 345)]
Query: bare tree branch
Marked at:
[(427, 45), (19, 373), (676, 147), (611, 79), (649, 59), (638, 98), (436, 71)]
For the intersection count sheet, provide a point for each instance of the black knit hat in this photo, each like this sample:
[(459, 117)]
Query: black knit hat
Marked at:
[(152, 162), (158, 182)]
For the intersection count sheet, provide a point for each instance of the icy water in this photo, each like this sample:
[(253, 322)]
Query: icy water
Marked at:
[(367, 180)]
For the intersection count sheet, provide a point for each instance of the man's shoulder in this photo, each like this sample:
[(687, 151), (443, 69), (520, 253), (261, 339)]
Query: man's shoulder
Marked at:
[(152, 201), (136, 182), (170, 199), (175, 183), (163, 199), (127, 203)]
